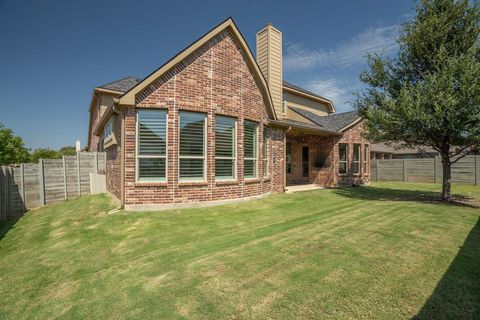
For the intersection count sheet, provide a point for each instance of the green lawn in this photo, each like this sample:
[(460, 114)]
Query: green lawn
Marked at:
[(388, 251)]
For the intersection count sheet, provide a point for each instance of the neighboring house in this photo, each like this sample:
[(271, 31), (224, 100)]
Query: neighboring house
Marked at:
[(214, 124), (382, 151)]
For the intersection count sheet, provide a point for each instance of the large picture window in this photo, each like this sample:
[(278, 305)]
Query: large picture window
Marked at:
[(250, 149), (225, 148), (192, 146), (266, 138), (151, 145), (342, 158), (356, 158)]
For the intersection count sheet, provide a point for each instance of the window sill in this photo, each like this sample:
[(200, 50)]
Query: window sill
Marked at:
[(192, 183), (343, 174), (225, 182), (151, 184), (267, 179), (252, 180), (109, 142)]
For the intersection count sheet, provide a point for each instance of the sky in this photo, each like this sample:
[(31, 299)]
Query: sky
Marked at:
[(53, 53)]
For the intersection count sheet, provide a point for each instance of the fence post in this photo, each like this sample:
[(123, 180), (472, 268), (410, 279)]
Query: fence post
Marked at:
[(65, 194), (96, 162), (378, 171), (5, 192), (2, 192), (9, 193), (78, 174), (22, 181), (41, 182), (477, 170), (404, 171), (438, 173)]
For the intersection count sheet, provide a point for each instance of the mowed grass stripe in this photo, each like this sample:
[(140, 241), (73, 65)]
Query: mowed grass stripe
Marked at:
[(376, 252)]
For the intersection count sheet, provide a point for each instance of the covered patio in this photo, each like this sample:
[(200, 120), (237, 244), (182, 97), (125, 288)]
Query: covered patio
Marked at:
[(309, 154)]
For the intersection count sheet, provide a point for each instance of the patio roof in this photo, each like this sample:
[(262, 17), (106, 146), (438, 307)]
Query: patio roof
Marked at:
[(304, 127)]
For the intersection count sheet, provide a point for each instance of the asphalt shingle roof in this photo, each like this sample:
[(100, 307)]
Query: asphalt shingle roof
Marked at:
[(304, 125), (332, 122), (122, 85)]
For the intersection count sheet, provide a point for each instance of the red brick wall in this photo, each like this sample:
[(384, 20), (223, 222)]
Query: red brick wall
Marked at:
[(351, 136), (113, 164), (321, 159), (215, 79), (277, 163), (326, 148)]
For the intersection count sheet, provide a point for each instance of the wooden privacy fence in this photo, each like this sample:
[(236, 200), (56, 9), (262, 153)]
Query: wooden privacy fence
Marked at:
[(465, 170), (31, 185)]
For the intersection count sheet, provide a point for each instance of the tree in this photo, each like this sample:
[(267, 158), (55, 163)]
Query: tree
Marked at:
[(43, 153), (429, 94), (47, 153), (67, 151), (12, 147)]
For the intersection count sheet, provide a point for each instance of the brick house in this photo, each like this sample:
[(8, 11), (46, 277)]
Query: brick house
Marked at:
[(214, 124)]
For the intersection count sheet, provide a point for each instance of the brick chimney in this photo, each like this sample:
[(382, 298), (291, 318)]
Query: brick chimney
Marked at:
[(269, 58)]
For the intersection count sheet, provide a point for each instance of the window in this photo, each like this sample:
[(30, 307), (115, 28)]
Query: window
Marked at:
[(266, 137), (342, 158), (225, 148), (192, 146), (288, 164), (151, 145), (284, 103), (108, 129), (250, 149), (356, 158), (366, 159)]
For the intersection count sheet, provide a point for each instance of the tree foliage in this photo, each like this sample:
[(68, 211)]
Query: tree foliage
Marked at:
[(429, 94), (47, 153), (12, 147)]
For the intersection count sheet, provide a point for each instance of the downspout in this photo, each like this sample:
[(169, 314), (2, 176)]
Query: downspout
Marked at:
[(122, 151)]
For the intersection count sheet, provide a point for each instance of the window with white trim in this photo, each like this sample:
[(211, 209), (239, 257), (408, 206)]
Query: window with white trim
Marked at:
[(225, 148), (342, 158), (356, 158), (151, 145), (366, 159), (250, 149), (284, 103), (266, 138), (192, 150)]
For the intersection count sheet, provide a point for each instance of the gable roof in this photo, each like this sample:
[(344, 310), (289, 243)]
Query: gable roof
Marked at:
[(287, 86), (121, 85), (335, 122), (128, 98)]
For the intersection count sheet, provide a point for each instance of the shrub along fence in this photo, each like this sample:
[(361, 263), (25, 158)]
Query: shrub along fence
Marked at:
[(31, 185), (465, 170)]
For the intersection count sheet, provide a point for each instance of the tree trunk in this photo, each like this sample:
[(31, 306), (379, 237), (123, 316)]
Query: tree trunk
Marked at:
[(447, 178)]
